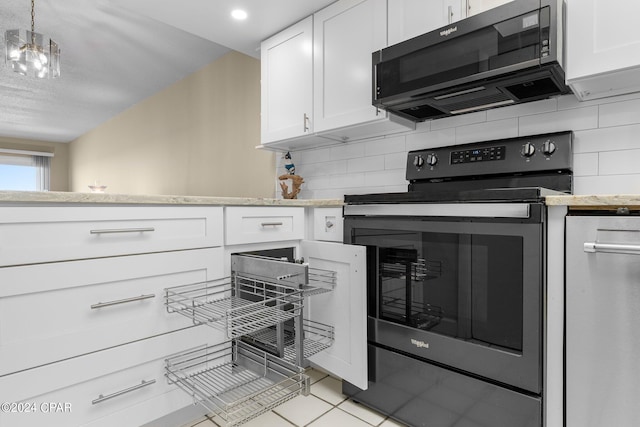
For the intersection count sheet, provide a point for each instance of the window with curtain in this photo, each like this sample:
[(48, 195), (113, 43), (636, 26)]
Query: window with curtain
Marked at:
[(24, 170)]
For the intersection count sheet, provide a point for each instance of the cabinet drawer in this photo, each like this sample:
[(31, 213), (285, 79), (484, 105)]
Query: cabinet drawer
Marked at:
[(327, 224), (76, 307), (263, 224), (41, 234), (100, 384)]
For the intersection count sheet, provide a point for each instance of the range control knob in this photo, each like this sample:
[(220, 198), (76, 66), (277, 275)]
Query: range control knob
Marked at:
[(418, 161), (432, 159), (548, 147), (528, 150)]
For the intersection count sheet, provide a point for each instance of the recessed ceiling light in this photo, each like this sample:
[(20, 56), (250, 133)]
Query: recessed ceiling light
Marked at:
[(239, 14)]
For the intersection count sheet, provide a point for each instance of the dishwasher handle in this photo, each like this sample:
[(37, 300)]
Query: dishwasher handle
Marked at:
[(613, 248)]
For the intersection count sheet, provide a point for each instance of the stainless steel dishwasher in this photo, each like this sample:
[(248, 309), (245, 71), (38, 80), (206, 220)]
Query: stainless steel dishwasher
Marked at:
[(603, 320)]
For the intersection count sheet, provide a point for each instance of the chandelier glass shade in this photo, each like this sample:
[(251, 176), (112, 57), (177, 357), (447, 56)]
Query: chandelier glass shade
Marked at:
[(32, 54)]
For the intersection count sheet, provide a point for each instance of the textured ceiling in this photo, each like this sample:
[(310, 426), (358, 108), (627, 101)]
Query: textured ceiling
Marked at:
[(116, 53)]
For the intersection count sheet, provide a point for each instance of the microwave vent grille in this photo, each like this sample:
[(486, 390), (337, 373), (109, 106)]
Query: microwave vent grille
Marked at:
[(477, 102)]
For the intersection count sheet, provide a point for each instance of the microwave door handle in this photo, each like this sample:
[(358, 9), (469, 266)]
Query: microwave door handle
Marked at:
[(613, 248)]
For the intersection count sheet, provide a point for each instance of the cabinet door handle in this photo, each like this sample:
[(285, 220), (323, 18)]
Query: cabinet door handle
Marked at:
[(329, 224), (271, 224), (450, 14), (102, 398), (122, 301), (614, 248), (122, 230), (305, 123)]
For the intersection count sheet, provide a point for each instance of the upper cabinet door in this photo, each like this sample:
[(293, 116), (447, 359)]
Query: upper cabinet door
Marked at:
[(344, 308), (603, 48), (477, 6), (287, 83), (411, 18), (346, 33)]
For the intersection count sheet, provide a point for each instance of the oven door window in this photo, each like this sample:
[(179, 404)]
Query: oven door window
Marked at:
[(465, 286)]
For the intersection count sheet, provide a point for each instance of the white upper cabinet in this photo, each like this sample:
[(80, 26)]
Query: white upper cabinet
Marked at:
[(345, 35), (477, 6), (411, 18), (337, 83), (603, 48), (287, 83)]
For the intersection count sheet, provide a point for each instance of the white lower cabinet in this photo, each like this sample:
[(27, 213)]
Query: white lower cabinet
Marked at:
[(89, 388), (31, 235), (278, 315), (77, 307), (117, 335)]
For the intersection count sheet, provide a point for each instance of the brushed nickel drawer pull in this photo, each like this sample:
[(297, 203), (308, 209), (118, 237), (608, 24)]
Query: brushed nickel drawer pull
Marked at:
[(122, 230), (102, 398), (613, 248), (271, 224), (122, 301), (305, 123)]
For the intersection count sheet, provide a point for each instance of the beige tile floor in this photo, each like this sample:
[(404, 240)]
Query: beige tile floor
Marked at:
[(326, 406)]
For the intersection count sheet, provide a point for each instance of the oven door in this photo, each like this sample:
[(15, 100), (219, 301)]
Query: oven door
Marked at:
[(461, 291)]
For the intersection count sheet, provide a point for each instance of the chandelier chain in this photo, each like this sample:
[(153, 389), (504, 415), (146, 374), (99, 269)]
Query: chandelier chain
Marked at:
[(33, 14)]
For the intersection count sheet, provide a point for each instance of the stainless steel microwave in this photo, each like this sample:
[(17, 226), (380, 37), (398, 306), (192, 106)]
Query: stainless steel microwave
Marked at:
[(507, 55)]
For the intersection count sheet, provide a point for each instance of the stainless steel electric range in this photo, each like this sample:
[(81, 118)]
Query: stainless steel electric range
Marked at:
[(456, 283)]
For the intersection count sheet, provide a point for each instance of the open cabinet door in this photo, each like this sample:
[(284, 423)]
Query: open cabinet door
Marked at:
[(345, 308)]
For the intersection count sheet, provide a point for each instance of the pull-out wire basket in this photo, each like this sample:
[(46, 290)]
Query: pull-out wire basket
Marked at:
[(236, 381), (320, 282), (316, 338), (239, 308)]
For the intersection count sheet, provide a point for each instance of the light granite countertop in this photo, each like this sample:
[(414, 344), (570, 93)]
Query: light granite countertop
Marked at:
[(601, 201), (49, 197), (604, 201)]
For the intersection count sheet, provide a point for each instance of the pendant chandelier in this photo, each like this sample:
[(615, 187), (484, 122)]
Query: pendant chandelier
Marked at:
[(32, 54)]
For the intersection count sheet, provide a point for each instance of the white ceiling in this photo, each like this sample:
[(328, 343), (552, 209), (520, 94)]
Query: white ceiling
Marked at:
[(116, 53)]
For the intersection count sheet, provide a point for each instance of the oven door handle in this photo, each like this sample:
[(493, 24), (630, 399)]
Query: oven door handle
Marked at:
[(612, 248), (460, 210)]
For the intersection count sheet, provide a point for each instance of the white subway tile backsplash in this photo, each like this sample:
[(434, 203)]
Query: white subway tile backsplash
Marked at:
[(455, 121), (537, 107), (348, 151), (607, 139), (611, 184), (575, 119), (499, 129), (438, 138), (585, 164), (317, 182), (386, 178), (606, 147), (365, 164), (389, 145), (348, 180), (311, 156), (423, 126), (322, 169), (620, 162), (566, 102), (620, 113), (395, 160)]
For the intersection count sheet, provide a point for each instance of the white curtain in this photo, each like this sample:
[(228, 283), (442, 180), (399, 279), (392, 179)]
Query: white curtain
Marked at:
[(43, 177)]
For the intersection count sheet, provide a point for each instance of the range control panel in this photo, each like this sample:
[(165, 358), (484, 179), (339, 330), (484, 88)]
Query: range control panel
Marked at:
[(478, 155), (530, 154)]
